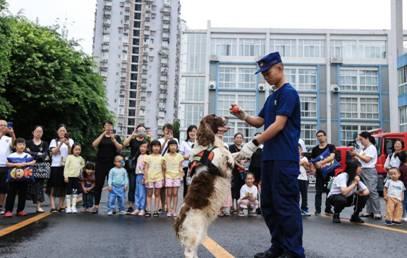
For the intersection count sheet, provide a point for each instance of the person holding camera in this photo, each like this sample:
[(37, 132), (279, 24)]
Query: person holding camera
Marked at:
[(60, 147), (7, 138), (107, 145), (138, 137)]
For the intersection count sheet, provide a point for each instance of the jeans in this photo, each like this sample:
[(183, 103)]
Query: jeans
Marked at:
[(140, 195), (116, 193), (405, 203), (319, 189), (303, 184), (132, 185), (87, 199)]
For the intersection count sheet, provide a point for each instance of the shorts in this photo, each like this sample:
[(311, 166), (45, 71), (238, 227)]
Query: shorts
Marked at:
[(155, 185), (172, 182), (3, 180)]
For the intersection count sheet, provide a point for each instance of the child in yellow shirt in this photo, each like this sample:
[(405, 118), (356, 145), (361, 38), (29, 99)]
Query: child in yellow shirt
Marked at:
[(173, 176), (154, 177)]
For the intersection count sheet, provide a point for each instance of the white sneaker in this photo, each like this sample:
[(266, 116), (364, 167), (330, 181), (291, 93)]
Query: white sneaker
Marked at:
[(74, 210), (404, 219), (68, 210), (109, 213), (123, 212)]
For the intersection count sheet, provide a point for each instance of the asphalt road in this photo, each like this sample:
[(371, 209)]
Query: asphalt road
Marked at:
[(86, 235)]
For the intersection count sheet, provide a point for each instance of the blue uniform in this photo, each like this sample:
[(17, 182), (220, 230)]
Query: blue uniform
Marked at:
[(280, 192)]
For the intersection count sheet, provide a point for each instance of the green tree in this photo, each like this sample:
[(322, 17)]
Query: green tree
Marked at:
[(51, 83), (5, 49)]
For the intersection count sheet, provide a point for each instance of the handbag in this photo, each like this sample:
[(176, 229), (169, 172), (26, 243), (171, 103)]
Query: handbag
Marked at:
[(329, 168), (42, 170)]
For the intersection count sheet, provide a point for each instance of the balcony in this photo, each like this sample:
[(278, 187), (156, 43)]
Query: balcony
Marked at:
[(166, 9)]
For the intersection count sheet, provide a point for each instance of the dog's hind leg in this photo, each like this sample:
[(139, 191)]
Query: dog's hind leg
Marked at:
[(194, 231)]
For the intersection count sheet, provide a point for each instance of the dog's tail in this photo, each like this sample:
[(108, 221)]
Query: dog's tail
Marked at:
[(180, 219)]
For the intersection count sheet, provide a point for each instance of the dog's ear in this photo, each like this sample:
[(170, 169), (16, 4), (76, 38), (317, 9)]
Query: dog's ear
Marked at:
[(205, 135)]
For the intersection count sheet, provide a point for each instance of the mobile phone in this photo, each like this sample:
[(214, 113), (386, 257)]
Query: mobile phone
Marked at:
[(10, 124)]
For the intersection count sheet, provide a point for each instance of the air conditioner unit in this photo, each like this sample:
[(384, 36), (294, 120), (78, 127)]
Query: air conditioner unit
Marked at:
[(336, 60), (335, 88), (212, 85), (262, 87), (213, 58)]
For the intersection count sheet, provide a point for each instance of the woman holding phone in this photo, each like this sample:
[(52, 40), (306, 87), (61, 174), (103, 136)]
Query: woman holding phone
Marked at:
[(60, 147), (107, 146)]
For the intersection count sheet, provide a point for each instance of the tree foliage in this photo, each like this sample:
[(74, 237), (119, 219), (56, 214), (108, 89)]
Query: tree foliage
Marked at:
[(49, 83)]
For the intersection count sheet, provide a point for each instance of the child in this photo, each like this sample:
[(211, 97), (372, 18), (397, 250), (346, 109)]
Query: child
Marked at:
[(248, 197), (154, 176), (303, 182), (173, 176), (140, 195), (394, 196), (73, 167), (88, 184), (118, 183), (20, 172)]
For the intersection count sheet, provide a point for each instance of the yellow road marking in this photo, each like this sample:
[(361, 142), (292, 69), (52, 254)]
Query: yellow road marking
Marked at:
[(23, 223), (388, 228), (215, 249)]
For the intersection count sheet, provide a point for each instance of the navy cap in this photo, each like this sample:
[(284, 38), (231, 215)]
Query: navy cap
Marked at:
[(266, 62)]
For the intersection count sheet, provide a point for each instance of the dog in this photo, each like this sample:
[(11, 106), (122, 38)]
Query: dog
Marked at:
[(209, 187)]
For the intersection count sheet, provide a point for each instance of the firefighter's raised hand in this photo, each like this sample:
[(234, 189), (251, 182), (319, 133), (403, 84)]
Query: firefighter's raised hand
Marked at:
[(238, 112)]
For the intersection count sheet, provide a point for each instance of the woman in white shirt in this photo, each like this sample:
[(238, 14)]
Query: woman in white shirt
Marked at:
[(368, 158), (347, 189), (60, 148), (185, 149), (392, 160)]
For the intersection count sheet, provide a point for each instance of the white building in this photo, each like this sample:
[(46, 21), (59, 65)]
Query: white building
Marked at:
[(341, 75), (137, 47)]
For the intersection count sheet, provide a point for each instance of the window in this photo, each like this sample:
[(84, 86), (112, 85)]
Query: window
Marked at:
[(402, 80), (133, 77), (227, 77), (133, 85), (251, 47), (131, 121), (286, 47), (134, 59), (362, 49), (133, 94), (193, 114), (194, 89), (369, 108), (137, 7), (136, 42), (349, 107), (403, 119), (195, 53), (372, 49), (358, 79), (359, 108), (308, 106), (302, 78), (235, 77), (137, 16), (224, 47), (311, 48), (349, 134), (308, 131), (241, 127), (132, 103), (132, 112)]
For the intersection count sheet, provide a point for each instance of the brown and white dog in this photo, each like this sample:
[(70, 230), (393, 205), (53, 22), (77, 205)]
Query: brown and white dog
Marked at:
[(208, 189)]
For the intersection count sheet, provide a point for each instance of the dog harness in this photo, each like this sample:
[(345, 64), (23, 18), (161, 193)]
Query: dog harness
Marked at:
[(203, 162)]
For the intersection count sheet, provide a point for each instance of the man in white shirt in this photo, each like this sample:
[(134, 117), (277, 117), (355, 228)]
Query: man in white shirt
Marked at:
[(6, 143)]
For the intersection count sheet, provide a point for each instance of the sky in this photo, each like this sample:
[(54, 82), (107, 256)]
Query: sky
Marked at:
[(78, 15)]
